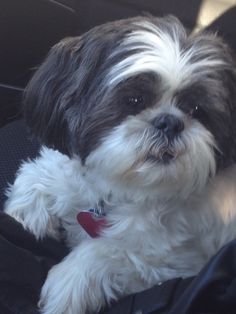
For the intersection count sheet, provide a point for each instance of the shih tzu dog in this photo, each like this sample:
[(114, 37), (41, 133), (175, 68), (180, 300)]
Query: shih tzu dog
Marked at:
[(138, 123)]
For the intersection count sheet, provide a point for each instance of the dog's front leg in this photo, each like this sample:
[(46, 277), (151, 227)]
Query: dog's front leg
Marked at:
[(92, 275), (43, 192)]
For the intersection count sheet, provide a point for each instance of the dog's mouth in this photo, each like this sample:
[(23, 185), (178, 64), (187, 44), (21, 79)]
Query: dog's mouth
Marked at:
[(161, 151), (164, 158), (165, 155)]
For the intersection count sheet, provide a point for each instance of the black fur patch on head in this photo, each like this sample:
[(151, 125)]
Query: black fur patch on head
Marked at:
[(65, 103)]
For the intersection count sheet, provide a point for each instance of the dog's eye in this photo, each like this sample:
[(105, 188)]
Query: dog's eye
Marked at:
[(196, 112), (135, 100)]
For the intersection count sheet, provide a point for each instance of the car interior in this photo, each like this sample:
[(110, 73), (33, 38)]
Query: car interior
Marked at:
[(29, 28)]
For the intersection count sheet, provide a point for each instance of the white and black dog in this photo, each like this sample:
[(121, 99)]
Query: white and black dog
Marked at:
[(138, 120)]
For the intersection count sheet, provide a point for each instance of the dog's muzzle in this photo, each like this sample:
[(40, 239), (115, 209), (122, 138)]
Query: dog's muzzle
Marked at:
[(168, 129)]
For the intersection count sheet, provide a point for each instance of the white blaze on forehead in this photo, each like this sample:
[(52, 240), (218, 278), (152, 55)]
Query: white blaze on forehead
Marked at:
[(160, 52)]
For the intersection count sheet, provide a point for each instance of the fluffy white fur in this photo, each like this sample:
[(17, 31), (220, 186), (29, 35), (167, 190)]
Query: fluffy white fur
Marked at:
[(160, 52), (166, 220), (147, 232)]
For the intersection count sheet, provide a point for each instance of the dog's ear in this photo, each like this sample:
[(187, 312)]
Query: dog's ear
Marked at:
[(51, 92), (230, 81), (228, 129), (228, 78)]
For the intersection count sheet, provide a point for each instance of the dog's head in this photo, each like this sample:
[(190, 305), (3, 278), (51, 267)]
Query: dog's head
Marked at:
[(140, 102)]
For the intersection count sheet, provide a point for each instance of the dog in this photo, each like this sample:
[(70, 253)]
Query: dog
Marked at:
[(137, 123)]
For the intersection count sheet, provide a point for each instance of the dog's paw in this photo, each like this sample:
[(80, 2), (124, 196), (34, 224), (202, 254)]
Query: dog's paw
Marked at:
[(39, 225), (91, 276), (84, 282), (69, 290), (28, 202)]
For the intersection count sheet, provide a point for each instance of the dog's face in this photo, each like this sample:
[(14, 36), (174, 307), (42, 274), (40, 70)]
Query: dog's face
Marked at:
[(140, 102)]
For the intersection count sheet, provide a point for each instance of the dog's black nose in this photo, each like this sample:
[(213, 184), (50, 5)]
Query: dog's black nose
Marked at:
[(168, 124)]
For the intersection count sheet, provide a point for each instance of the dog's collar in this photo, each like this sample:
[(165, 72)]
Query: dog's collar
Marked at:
[(92, 220)]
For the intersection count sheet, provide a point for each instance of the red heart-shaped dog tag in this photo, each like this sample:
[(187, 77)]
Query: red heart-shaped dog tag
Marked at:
[(91, 223)]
